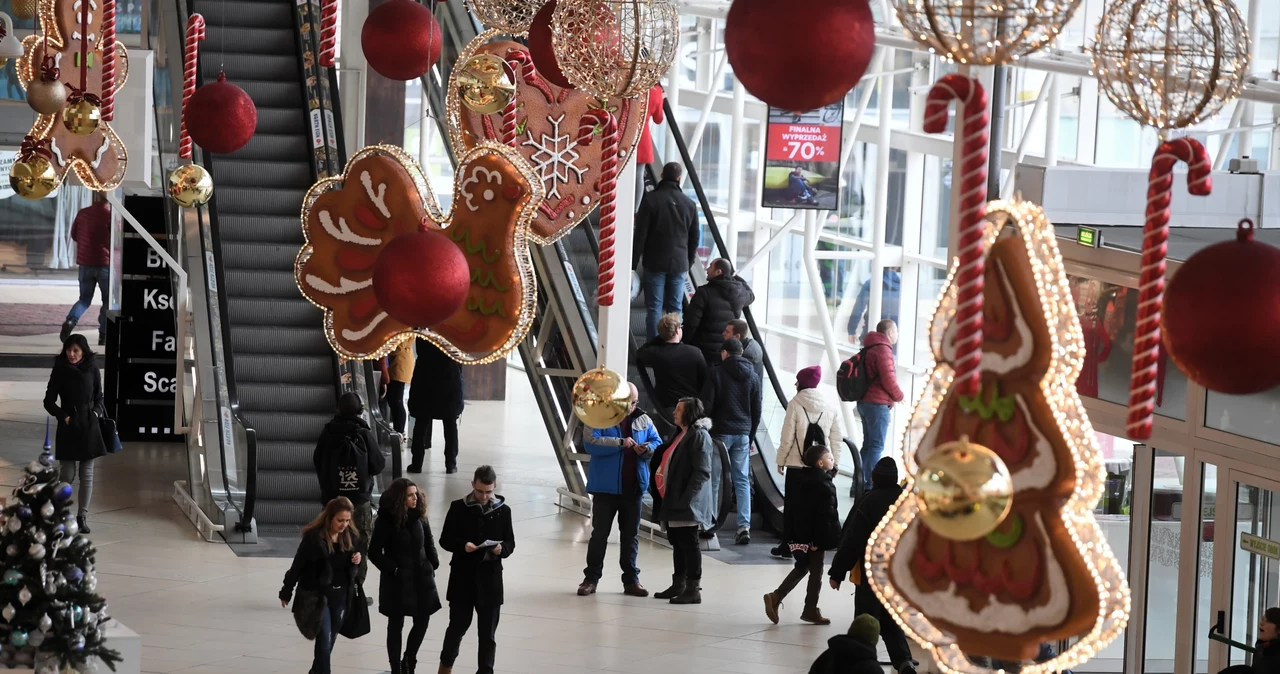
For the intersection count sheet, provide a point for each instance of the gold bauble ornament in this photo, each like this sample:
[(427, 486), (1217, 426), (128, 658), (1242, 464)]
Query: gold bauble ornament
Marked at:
[(33, 177), (964, 491), (601, 398), (190, 185), (81, 117), (23, 9), (484, 85), (508, 16), (47, 98)]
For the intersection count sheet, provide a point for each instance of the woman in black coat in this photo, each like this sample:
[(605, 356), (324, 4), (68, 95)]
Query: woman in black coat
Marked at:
[(74, 398), (404, 551), (324, 571), (435, 393), (812, 524)]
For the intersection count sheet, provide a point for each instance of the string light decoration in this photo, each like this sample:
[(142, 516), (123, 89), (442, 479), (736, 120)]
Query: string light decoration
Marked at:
[(508, 16), (980, 32), (1056, 469), (1170, 64), (615, 48)]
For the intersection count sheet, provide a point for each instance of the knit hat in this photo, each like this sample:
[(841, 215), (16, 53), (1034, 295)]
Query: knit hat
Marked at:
[(732, 346), (866, 629), (809, 377), (885, 473)]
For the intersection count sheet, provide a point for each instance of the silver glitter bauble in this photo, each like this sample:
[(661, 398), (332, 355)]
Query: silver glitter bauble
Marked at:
[(8, 612), (47, 510), (24, 596), (36, 551)]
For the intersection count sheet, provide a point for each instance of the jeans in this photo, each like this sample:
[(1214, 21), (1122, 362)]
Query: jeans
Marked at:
[(487, 630), (395, 400), (604, 508), (362, 519), (739, 448), (663, 294), (810, 565), (875, 428), (89, 277), (422, 441), (330, 623), (395, 627), (686, 556), (67, 473), (895, 640)]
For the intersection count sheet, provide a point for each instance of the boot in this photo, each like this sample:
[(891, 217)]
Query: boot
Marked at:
[(771, 603), (83, 521), (692, 595), (408, 666), (676, 589), (813, 615), (65, 332), (445, 669), (396, 668)]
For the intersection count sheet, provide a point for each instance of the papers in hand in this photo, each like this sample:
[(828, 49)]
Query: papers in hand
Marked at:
[(489, 544)]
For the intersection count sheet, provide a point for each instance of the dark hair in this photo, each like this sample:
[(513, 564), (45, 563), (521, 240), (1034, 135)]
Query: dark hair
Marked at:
[(693, 408), (812, 454), (350, 405), (393, 498), (723, 266), (672, 171), (78, 340), (740, 327), (332, 509), (732, 345), (1272, 615), (884, 326), (485, 475)]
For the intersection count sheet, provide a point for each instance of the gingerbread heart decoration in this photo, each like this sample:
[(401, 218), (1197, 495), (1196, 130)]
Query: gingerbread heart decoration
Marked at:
[(1045, 573), (98, 159), (382, 194), (547, 121)]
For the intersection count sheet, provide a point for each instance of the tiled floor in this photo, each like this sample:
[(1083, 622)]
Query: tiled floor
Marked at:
[(200, 608)]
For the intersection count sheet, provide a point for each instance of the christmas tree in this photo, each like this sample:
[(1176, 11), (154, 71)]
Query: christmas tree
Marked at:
[(50, 617)]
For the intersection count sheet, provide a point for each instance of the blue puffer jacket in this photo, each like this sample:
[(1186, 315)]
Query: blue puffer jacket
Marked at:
[(604, 472)]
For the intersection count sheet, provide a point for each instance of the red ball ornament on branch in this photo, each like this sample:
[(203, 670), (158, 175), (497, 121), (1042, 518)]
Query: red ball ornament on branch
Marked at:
[(220, 117), (401, 40), (1222, 316), (421, 279), (801, 54), (541, 49)]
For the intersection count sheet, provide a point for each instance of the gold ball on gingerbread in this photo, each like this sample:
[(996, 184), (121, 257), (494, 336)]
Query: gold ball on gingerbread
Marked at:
[(963, 490), (33, 178), (601, 398), (46, 98), (190, 185), (484, 85), (81, 117)]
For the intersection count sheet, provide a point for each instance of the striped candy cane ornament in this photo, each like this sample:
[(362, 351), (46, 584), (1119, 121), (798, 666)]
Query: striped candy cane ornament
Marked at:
[(1155, 239), (328, 32), (608, 125), (190, 60), (973, 212), (108, 60)]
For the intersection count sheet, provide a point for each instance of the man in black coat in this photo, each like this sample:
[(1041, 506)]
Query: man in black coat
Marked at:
[(679, 370), (347, 457), (436, 392), (862, 521), (478, 532), (735, 417), (715, 304), (666, 242)]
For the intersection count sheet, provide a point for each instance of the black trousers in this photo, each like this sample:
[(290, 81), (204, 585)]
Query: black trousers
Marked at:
[(895, 640), (422, 440), (395, 400), (789, 482), (487, 630), (395, 627), (604, 508), (810, 565), (686, 553)]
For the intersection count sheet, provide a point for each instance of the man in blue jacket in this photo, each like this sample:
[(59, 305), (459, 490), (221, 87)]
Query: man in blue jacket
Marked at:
[(617, 478)]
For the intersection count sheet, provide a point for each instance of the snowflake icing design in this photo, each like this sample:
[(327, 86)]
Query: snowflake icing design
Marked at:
[(555, 157)]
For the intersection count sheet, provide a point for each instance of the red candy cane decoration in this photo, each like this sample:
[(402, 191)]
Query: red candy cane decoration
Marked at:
[(108, 60), (973, 213), (608, 124), (190, 61), (1155, 238), (328, 32)]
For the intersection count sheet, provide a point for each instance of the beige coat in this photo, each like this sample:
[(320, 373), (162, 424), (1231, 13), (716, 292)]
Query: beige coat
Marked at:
[(400, 363), (809, 405)]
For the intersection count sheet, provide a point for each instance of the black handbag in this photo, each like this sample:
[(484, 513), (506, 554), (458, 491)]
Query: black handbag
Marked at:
[(308, 612), (110, 438), (356, 623)]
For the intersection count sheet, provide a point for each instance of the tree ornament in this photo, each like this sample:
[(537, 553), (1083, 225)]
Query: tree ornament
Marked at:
[(73, 575), (601, 398), (976, 32), (39, 536), (509, 16), (46, 623), (12, 577), (24, 513), (1229, 288), (417, 260), (91, 582), (46, 460), (61, 492), (12, 550), (220, 117), (1170, 64), (190, 186), (77, 614), (23, 9), (611, 48), (18, 638), (14, 524), (779, 57), (34, 640), (24, 596), (963, 490), (36, 551), (47, 510), (8, 612), (33, 177), (76, 642), (47, 96), (483, 84), (542, 49), (71, 527), (401, 40)]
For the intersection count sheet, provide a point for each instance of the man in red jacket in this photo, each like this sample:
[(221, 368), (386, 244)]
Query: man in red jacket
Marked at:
[(875, 406), (92, 233)]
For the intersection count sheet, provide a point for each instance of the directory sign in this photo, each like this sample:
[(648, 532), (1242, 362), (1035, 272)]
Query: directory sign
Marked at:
[(802, 158)]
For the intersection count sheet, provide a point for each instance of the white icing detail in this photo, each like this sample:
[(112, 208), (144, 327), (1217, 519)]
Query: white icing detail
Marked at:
[(489, 176), (488, 195), (102, 149), (354, 335), (343, 233), (1038, 475), (556, 156), (571, 215), (345, 285), (57, 151), (992, 361), (378, 199), (994, 617), (586, 201)]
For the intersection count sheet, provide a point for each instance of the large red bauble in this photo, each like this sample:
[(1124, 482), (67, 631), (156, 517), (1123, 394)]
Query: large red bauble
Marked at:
[(421, 279), (220, 117), (801, 54), (541, 50), (401, 40), (1221, 318)]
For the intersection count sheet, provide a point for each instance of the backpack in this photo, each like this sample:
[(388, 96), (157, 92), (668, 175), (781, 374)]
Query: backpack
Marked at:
[(813, 435), (852, 379), (350, 466)]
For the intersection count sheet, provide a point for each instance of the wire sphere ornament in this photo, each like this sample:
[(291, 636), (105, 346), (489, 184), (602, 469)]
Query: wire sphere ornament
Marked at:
[(508, 16), (980, 32), (1171, 64), (615, 48)]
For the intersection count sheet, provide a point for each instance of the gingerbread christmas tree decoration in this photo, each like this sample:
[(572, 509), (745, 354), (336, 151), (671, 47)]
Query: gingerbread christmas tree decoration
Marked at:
[(1044, 572), (358, 226)]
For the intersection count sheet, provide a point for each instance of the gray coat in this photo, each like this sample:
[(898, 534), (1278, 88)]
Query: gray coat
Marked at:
[(688, 479)]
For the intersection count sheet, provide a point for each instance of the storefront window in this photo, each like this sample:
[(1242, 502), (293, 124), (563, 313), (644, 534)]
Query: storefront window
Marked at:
[(35, 236), (1256, 416)]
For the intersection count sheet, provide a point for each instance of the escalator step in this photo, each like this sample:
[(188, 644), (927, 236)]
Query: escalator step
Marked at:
[(268, 94), (245, 13), (231, 171), (259, 228), (277, 512), (271, 369), (274, 147), (287, 427), (240, 66), (291, 485), (259, 255), (264, 201), (242, 282), (249, 311), (278, 340), (281, 121), (289, 398), (266, 36), (277, 455)]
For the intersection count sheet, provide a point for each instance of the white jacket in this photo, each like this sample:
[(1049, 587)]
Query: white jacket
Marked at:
[(794, 427)]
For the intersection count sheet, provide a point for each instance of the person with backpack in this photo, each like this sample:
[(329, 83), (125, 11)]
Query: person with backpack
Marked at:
[(811, 419), (347, 457), (812, 524), (878, 380)]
